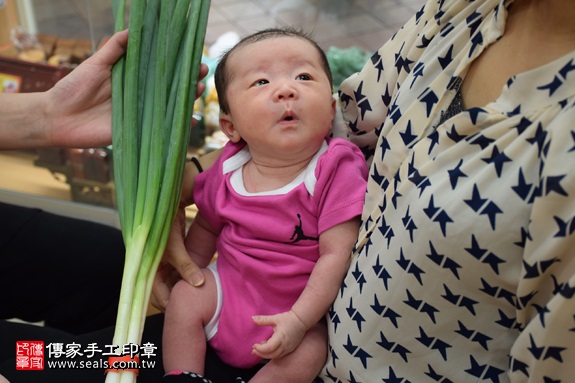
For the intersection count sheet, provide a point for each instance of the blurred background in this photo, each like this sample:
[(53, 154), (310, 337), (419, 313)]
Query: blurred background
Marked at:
[(43, 40), (341, 23)]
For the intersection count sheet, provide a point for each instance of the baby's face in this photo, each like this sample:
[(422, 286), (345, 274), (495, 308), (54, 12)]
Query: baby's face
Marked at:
[(280, 97)]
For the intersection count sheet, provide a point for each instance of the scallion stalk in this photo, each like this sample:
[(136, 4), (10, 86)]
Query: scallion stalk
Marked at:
[(153, 91)]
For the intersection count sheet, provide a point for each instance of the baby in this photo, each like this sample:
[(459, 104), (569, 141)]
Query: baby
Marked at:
[(280, 207)]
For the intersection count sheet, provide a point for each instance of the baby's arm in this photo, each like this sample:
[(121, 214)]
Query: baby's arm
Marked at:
[(335, 246)]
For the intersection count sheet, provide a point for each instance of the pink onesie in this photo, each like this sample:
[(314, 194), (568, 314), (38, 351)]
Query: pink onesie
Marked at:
[(268, 242)]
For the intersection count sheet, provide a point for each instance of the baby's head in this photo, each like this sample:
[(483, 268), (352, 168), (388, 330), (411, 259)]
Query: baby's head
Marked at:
[(275, 91), (224, 73)]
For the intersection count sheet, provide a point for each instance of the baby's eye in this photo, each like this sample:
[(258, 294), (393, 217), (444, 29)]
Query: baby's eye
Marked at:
[(303, 77), (260, 82)]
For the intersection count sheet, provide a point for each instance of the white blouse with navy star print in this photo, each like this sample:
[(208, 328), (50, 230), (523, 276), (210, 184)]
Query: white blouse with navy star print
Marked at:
[(465, 264)]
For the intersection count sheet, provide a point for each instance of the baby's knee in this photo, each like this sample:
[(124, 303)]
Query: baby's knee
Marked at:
[(184, 296), (182, 290), (313, 351), (317, 356)]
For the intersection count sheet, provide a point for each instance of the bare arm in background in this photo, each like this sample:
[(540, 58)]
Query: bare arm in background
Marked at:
[(76, 112)]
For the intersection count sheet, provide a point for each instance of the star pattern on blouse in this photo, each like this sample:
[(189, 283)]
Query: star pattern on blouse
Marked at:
[(434, 168)]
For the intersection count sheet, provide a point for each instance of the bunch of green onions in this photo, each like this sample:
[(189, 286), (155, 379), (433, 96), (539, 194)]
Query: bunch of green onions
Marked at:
[(153, 91)]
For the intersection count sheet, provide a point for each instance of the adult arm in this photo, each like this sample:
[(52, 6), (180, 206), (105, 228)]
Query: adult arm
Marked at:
[(76, 112), (546, 286)]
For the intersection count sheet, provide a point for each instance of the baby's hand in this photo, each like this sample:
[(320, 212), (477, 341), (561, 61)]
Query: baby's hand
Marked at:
[(289, 330)]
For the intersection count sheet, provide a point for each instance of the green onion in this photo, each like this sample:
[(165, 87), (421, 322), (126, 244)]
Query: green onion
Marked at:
[(153, 92)]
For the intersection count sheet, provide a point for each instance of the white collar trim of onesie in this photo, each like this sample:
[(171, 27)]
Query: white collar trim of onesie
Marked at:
[(235, 163)]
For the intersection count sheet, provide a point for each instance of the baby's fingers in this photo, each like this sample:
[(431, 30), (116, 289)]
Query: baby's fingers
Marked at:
[(264, 320), (267, 349)]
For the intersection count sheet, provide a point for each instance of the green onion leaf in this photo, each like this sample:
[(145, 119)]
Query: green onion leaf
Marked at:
[(153, 92)]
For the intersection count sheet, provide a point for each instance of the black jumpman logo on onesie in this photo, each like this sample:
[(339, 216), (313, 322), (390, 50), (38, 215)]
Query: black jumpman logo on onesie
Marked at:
[(298, 234)]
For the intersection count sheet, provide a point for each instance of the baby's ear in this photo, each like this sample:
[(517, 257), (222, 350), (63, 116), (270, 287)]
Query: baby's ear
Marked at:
[(227, 126)]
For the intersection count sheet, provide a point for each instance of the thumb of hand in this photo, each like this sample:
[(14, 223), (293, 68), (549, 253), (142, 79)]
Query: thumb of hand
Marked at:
[(177, 255), (190, 272)]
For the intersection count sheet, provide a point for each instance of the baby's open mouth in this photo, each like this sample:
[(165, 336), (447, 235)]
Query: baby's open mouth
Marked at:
[(289, 116)]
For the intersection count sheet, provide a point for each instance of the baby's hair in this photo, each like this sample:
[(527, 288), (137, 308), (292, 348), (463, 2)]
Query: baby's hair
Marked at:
[(222, 74)]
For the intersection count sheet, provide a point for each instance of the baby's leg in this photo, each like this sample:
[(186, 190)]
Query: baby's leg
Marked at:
[(189, 310), (303, 365)]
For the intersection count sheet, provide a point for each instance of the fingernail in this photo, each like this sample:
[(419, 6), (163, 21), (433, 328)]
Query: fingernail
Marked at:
[(197, 279)]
